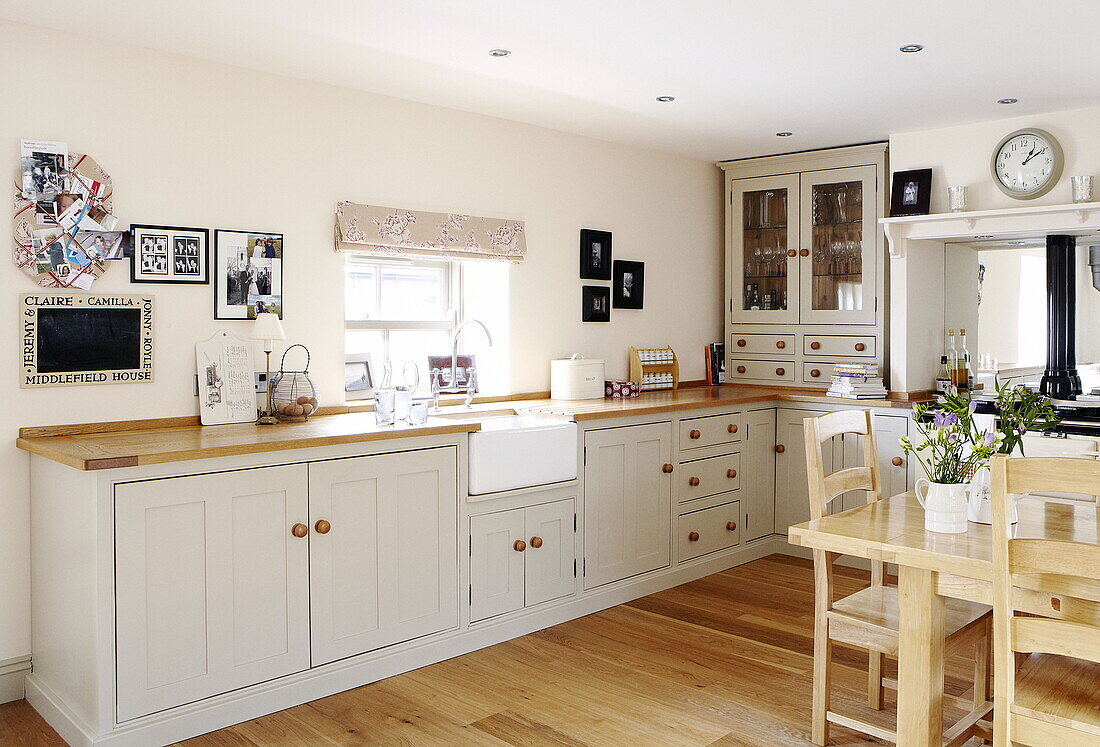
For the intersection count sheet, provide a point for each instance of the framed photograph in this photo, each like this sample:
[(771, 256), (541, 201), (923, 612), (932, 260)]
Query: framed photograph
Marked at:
[(911, 192), (629, 284), (595, 303), (595, 254), (248, 274), (358, 376), (168, 254)]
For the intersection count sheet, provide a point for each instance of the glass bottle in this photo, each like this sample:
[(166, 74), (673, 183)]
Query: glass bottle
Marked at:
[(966, 371), (952, 359), (755, 303), (943, 377)]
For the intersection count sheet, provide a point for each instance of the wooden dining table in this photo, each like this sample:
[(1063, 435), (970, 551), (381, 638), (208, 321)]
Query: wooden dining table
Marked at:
[(931, 567)]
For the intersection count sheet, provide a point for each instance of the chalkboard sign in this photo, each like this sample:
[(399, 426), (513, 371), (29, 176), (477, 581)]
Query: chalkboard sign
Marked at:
[(68, 340)]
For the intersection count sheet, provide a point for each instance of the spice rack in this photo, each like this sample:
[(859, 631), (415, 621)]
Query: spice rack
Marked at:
[(654, 368)]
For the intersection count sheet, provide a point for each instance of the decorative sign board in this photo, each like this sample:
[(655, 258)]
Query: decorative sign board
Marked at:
[(69, 339), (227, 389)]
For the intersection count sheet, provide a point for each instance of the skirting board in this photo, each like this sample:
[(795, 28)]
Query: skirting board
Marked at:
[(12, 674), (232, 708)]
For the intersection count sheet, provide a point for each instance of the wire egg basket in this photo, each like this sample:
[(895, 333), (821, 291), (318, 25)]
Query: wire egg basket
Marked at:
[(293, 395)]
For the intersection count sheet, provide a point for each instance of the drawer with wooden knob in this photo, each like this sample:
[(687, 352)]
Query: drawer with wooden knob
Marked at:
[(708, 530), (820, 373), (848, 346), (777, 370), (703, 477), (754, 344), (695, 433)]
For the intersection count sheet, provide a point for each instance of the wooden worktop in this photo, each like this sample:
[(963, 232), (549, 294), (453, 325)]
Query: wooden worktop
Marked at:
[(130, 444)]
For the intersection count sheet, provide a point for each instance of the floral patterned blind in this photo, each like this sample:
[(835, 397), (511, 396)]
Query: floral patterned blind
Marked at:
[(389, 232)]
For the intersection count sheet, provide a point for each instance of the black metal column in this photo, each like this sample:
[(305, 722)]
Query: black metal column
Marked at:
[(1060, 380)]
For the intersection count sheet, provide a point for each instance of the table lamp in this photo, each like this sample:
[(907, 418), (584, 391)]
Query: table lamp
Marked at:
[(267, 329)]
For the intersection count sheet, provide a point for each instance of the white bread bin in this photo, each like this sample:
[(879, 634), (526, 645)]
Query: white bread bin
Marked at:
[(576, 378)]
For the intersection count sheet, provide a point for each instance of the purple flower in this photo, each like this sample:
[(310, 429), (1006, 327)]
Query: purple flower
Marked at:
[(989, 437), (942, 419), (952, 436), (1023, 430), (972, 407)]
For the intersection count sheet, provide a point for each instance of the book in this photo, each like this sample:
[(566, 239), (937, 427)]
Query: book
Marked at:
[(716, 363)]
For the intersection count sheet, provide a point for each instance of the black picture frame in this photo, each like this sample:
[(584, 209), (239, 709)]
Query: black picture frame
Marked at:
[(595, 254), (177, 248), (237, 253), (595, 303), (911, 192), (629, 284)]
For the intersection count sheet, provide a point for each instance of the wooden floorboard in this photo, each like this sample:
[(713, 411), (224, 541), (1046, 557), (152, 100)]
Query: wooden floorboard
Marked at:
[(722, 661)]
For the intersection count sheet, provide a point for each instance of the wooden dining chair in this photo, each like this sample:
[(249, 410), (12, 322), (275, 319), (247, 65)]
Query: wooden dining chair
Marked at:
[(1053, 696), (869, 619)]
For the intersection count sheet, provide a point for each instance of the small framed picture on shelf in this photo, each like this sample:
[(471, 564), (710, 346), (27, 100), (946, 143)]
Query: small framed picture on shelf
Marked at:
[(911, 192), (595, 303), (629, 284), (169, 254), (248, 274), (595, 254), (358, 376)]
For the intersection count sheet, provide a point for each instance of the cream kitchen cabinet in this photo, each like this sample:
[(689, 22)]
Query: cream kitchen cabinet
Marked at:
[(522, 557), (627, 501), (792, 496), (758, 474), (383, 550), (211, 585)]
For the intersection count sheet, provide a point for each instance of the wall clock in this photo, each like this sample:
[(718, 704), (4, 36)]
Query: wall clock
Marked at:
[(1027, 163)]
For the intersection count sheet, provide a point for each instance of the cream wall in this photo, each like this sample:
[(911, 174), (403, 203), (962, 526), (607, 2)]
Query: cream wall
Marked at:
[(200, 144)]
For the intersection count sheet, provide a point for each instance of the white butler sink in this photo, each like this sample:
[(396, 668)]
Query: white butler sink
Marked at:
[(516, 451)]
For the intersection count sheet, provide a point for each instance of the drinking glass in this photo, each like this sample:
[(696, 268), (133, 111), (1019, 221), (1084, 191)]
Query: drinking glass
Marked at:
[(418, 412), (956, 198), (384, 405), (1082, 188)]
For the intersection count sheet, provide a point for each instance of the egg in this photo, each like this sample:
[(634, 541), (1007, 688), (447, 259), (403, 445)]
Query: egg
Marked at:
[(294, 409), (307, 408), (313, 401), (304, 401)]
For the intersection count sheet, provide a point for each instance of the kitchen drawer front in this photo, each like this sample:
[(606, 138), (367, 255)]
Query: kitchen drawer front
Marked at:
[(709, 530), (695, 433), (817, 373), (705, 477), (849, 346), (755, 343), (760, 370)]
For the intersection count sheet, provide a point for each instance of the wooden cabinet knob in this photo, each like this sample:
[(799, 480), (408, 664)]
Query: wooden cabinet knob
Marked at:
[(897, 461), (791, 253), (860, 346), (814, 373), (804, 253), (731, 526), (693, 536), (322, 526), (780, 371), (536, 542), (693, 482), (519, 545), (695, 435), (731, 473), (780, 448), (666, 468), (299, 530), (731, 428), (815, 345), (780, 344), (740, 369), (741, 343)]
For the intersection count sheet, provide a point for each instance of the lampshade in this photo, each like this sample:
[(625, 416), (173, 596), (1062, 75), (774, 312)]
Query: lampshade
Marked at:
[(268, 327)]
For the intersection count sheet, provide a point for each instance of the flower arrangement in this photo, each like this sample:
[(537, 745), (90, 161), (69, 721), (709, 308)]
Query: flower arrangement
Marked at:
[(953, 447)]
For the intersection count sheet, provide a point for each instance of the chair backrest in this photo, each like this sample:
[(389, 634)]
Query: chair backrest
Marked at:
[(1065, 568), (825, 487)]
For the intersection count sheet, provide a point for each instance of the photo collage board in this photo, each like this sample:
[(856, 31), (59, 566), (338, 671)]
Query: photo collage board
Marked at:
[(248, 274)]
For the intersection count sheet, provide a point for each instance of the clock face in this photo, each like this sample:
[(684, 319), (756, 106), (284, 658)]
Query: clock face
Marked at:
[(1027, 163)]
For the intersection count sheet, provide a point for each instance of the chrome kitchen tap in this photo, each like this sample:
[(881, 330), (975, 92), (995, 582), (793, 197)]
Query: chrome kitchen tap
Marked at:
[(471, 375)]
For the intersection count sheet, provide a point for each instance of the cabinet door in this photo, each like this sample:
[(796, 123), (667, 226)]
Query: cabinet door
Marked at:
[(386, 571), (763, 262), (893, 463), (627, 502), (758, 474), (792, 494), (838, 246), (212, 587), (551, 554), (496, 567)]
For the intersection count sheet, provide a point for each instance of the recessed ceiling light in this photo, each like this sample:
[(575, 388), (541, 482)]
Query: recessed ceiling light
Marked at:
[(1007, 101), (910, 48), (783, 134), (499, 52), (666, 99)]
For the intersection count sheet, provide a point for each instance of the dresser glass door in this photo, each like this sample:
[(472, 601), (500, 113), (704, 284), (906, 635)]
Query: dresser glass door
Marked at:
[(765, 275)]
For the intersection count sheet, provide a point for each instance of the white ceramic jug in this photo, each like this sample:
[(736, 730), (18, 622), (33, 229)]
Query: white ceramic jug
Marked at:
[(980, 510), (945, 506)]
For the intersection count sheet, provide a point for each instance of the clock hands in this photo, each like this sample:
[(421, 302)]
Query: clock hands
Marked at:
[(1032, 155)]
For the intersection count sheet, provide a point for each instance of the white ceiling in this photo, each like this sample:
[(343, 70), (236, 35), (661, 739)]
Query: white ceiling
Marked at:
[(740, 71)]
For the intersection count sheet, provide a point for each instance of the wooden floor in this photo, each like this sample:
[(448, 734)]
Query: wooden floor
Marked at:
[(724, 660)]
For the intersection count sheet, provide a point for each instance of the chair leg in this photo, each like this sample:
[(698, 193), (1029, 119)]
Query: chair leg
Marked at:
[(875, 689), (982, 665), (823, 653)]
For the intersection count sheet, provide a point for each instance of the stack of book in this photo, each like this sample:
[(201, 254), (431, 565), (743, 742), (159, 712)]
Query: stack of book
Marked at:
[(856, 381)]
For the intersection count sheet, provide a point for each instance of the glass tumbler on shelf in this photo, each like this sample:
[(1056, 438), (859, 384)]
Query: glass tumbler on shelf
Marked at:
[(956, 198), (1082, 188)]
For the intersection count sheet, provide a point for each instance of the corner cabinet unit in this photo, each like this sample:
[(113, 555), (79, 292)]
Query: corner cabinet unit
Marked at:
[(805, 264)]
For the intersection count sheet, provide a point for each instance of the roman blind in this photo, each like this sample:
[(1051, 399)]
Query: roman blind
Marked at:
[(415, 234)]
